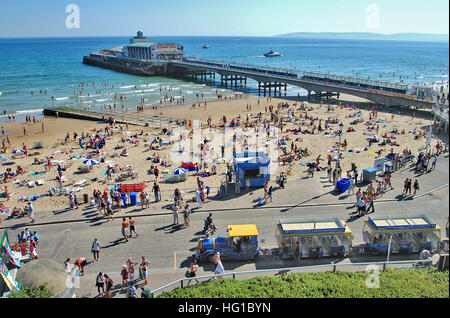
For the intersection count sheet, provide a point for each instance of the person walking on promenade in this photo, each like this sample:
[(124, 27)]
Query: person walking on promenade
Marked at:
[(96, 246), (351, 188), (132, 227), (416, 187), (131, 264), (156, 190), (187, 212), (142, 195), (125, 229), (330, 173), (100, 283), (176, 214), (361, 207), (269, 194), (405, 186), (109, 284), (219, 268), (193, 268), (409, 186), (358, 195), (124, 273), (433, 164), (31, 212), (371, 207), (388, 181), (143, 271)]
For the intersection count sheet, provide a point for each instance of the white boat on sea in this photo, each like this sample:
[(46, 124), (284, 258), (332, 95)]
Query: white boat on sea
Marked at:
[(272, 54), (206, 46)]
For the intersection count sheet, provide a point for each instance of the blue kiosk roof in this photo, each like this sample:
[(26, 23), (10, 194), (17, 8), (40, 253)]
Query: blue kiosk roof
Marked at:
[(251, 158)]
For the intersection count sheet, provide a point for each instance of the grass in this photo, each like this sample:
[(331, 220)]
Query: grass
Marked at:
[(404, 283)]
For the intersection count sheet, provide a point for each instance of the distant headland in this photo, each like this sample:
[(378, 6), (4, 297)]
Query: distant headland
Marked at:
[(420, 37)]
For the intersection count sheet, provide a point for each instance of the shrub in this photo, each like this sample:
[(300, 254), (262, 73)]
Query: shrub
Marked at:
[(401, 283), (32, 292)]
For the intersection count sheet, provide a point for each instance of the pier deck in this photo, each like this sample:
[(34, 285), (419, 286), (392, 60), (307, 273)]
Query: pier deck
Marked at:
[(382, 92)]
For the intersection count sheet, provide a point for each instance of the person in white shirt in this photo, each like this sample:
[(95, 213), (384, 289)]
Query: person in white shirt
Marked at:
[(31, 212), (96, 246), (219, 268)]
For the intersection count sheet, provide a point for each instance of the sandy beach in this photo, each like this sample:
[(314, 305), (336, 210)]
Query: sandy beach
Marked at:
[(323, 144)]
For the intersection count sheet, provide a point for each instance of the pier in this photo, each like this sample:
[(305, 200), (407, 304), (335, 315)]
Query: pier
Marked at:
[(274, 80)]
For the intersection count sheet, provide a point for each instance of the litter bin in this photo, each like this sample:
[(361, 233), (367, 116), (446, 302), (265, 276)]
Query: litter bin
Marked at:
[(343, 185), (369, 174), (123, 196), (388, 167), (86, 198), (133, 198)]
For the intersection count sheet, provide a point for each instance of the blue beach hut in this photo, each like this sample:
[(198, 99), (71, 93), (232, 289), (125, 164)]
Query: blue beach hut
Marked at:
[(251, 165)]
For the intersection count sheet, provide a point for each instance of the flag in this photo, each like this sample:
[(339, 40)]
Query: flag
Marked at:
[(5, 245), (4, 273)]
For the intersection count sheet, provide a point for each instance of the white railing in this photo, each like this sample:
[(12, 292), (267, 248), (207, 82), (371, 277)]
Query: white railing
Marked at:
[(289, 269)]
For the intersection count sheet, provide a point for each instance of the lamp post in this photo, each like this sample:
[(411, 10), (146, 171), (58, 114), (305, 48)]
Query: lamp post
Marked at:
[(341, 127)]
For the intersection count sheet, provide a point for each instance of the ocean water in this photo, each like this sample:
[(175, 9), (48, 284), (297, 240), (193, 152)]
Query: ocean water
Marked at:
[(29, 66)]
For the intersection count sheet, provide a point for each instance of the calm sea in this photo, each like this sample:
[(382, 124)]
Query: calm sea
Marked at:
[(55, 65)]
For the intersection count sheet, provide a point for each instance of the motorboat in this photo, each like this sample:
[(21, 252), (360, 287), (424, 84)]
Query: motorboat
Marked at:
[(206, 46), (272, 54)]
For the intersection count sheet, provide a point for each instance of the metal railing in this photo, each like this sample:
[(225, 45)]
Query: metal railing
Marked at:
[(298, 74), (290, 269)]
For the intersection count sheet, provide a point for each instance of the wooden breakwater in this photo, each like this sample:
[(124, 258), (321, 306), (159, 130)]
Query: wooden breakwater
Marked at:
[(131, 118)]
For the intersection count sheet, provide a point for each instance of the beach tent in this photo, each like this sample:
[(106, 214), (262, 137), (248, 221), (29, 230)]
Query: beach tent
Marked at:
[(173, 178), (189, 166), (91, 162), (251, 165), (19, 151)]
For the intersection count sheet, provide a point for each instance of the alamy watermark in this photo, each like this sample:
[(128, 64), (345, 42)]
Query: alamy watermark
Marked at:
[(73, 277), (373, 17), (218, 145), (373, 280), (73, 19)]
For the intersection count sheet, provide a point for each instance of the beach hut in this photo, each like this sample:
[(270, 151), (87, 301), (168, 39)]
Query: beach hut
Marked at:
[(251, 165)]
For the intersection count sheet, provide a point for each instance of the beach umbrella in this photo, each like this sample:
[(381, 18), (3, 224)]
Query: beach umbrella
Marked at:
[(19, 151), (179, 171), (90, 162)]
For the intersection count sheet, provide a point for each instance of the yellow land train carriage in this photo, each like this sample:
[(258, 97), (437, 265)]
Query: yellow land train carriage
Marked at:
[(410, 233), (314, 238)]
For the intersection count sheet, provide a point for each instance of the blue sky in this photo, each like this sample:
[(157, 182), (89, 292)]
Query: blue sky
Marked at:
[(47, 18)]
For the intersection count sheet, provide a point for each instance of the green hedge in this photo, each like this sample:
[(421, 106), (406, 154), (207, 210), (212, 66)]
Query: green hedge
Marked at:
[(402, 283), (32, 292)]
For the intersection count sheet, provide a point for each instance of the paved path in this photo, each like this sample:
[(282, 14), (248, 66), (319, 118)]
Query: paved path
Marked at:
[(169, 248), (299, 192)]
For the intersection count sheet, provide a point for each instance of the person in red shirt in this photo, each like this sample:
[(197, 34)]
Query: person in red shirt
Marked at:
[(81, 262)]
